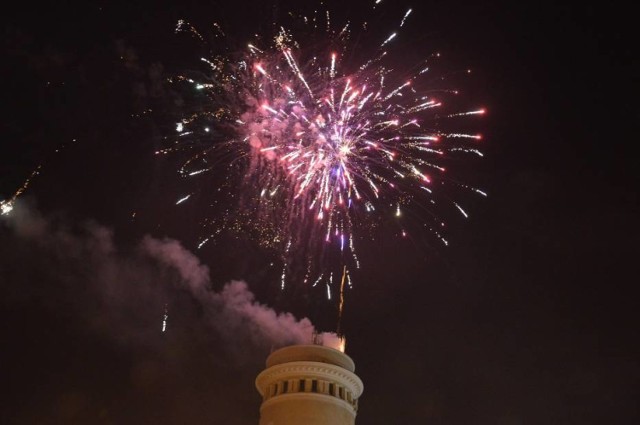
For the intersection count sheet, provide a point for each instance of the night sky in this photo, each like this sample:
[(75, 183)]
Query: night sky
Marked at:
[(528, 317)]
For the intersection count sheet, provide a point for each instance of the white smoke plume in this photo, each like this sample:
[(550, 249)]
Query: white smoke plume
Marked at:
[(235, 304), (125, 284)]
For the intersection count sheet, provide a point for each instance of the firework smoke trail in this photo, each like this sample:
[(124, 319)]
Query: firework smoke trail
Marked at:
[(321, 145), (6, 206)]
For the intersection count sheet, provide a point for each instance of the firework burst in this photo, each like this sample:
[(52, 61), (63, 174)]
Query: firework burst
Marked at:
[(316, 147)]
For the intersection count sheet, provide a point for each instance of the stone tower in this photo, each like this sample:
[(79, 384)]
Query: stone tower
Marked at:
[(308, 385)]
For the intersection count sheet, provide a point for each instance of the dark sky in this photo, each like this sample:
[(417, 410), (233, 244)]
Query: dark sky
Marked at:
[(529, 317)]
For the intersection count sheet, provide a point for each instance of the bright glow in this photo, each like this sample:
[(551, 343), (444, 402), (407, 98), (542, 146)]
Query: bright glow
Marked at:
[(5, 207), (332, 340)]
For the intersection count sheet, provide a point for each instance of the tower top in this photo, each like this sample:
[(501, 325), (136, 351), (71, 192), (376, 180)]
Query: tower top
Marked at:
[(311, 353), (310, 385)]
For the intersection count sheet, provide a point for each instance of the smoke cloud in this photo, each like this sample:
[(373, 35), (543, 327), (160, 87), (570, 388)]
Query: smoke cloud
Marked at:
[(139, 321)]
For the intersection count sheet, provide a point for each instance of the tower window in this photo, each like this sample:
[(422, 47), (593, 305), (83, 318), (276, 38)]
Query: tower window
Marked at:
[(314, 386), (285, 387), (332, 389)]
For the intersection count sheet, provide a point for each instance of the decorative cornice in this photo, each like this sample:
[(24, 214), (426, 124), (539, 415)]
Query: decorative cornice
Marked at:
[(325, 398), (304, 369)]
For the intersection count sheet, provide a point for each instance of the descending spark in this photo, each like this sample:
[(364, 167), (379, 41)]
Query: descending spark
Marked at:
[(471, 150), (283, 277), (391, 37), (465, 136), (341, 303), (165, 318), (332, 73), (404, 18), (461, 210), (460, 114), (201, 244), (181, 200)]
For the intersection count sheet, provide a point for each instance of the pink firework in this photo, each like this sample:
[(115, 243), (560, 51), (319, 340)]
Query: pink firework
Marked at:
[(322, 145)]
